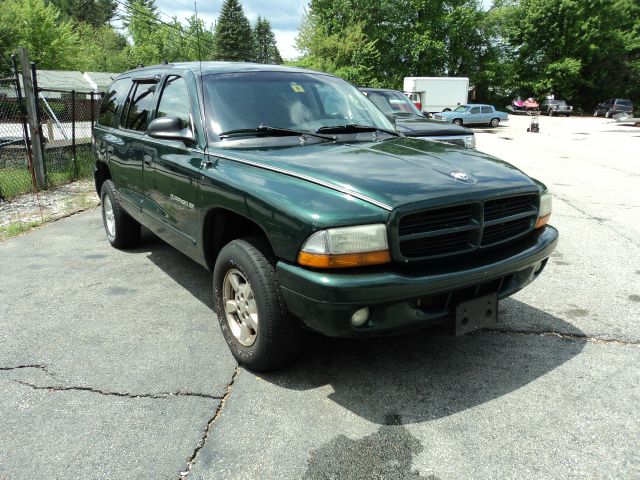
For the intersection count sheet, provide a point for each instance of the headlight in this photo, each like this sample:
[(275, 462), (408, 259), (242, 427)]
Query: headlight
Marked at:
[(545, 209), (346, 247), (470, 141)]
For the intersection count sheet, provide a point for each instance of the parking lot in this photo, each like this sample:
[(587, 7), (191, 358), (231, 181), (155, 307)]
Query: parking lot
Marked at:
[(112, 363)]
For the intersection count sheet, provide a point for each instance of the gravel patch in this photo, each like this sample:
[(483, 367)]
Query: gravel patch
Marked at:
[(50, 204)]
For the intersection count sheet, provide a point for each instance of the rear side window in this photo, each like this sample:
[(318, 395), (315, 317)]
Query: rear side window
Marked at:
[(486, 109), (174, 101), (140, 105), (622, 101), (113, 101)]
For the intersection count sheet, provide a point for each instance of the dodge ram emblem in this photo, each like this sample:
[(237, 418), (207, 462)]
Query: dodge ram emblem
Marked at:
[(459, 175)]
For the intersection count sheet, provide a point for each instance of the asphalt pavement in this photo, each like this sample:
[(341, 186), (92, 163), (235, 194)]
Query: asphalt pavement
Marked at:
[(112, 363)]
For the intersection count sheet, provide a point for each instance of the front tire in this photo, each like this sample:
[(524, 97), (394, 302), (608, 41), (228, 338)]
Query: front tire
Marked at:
[(254, 320), (494, 122), (122, 230), (457, 121), (550, 113)]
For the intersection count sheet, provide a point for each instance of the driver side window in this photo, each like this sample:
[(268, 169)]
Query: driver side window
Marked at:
[(475, 110), (174, 101)]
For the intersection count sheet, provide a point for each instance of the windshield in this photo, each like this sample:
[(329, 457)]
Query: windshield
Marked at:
[(462, 108), (392, 102), (297, 101)]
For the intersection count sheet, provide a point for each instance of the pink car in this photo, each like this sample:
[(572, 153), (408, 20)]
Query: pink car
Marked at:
[(531, 104)]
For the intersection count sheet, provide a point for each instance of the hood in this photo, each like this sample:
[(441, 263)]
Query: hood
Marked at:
[(393, 173), (416, 127)]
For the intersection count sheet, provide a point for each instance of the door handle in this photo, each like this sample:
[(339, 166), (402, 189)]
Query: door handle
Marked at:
[(147, 159)]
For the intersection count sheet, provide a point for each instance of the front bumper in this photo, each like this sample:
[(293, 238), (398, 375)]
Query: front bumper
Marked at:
[(398, 301)]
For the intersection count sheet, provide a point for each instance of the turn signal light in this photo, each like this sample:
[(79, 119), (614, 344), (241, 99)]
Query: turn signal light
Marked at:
[(345, 260), (542, 221)]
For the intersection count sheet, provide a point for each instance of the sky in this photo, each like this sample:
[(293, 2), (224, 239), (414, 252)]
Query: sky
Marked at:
[(284, 15)]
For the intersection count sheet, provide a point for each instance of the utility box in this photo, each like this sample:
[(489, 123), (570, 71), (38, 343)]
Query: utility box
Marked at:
[(437, 94)]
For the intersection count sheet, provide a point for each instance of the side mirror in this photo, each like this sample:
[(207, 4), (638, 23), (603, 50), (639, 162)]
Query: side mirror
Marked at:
[(170, 128)]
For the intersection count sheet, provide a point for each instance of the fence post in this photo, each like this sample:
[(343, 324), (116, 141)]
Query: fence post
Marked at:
[(92, 115), (73, 133), (23, 117), (32, 119)]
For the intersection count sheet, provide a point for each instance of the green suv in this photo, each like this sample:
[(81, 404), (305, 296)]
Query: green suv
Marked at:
[(311, 210)]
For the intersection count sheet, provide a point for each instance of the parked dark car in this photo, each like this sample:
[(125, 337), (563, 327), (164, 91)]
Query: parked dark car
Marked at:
[(311, 210), (555, 107), (612, 106), (410, 122)]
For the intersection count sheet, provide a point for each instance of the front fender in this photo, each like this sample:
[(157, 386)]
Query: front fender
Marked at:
[(286, 208)]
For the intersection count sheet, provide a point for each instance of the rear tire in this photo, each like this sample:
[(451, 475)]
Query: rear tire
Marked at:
[(254, 320), (457, 121), (122, 230), (494, 122), (550, 113)]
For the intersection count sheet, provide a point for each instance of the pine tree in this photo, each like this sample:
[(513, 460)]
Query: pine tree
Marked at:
[(233, 37), (265, 43)]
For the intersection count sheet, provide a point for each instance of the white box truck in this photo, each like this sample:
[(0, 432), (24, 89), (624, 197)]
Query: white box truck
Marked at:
[(437, 94)]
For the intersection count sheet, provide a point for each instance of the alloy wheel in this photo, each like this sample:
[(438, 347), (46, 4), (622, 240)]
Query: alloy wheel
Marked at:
[(240, 307)]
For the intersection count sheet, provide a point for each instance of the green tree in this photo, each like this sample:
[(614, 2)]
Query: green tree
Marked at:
[(579, 50), (101, 49), (37, 26), (92, 12), (265, 43), (233, 35), (387, 40)]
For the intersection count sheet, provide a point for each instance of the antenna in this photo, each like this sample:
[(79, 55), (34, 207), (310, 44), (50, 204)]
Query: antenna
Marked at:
[(204, 105)]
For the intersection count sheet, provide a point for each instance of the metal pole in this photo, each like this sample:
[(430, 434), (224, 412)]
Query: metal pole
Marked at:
[(36, 91), (23, 116), (32, 118), (73, 131), (92, 114)]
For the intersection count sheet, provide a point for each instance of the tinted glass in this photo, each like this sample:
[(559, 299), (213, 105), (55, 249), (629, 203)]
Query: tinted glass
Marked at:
[(113, 101), (141, 103), (300, 101), (475, 110), (621, 101), (486, 109), (392, 102), (174, 101)]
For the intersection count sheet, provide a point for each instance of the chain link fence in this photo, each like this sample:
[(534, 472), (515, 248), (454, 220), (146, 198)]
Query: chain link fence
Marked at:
[(15, 174), (55, 155), (67, 122)]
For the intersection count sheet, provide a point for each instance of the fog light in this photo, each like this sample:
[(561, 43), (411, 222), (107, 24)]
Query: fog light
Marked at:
[(360, 317)]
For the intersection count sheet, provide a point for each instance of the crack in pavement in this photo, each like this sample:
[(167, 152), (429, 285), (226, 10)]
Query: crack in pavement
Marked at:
[(160, 395), (600, 222), (17, 367), (564, 336), (207, 430)]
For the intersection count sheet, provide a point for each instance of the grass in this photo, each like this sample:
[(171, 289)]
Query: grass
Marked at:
[(17, 181), (16, 228)]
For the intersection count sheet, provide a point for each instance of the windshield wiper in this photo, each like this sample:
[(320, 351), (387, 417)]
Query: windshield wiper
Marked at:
[(273, 132), (353, 128)]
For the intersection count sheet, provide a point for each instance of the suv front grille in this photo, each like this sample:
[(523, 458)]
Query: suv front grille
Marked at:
[(464, 228)]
